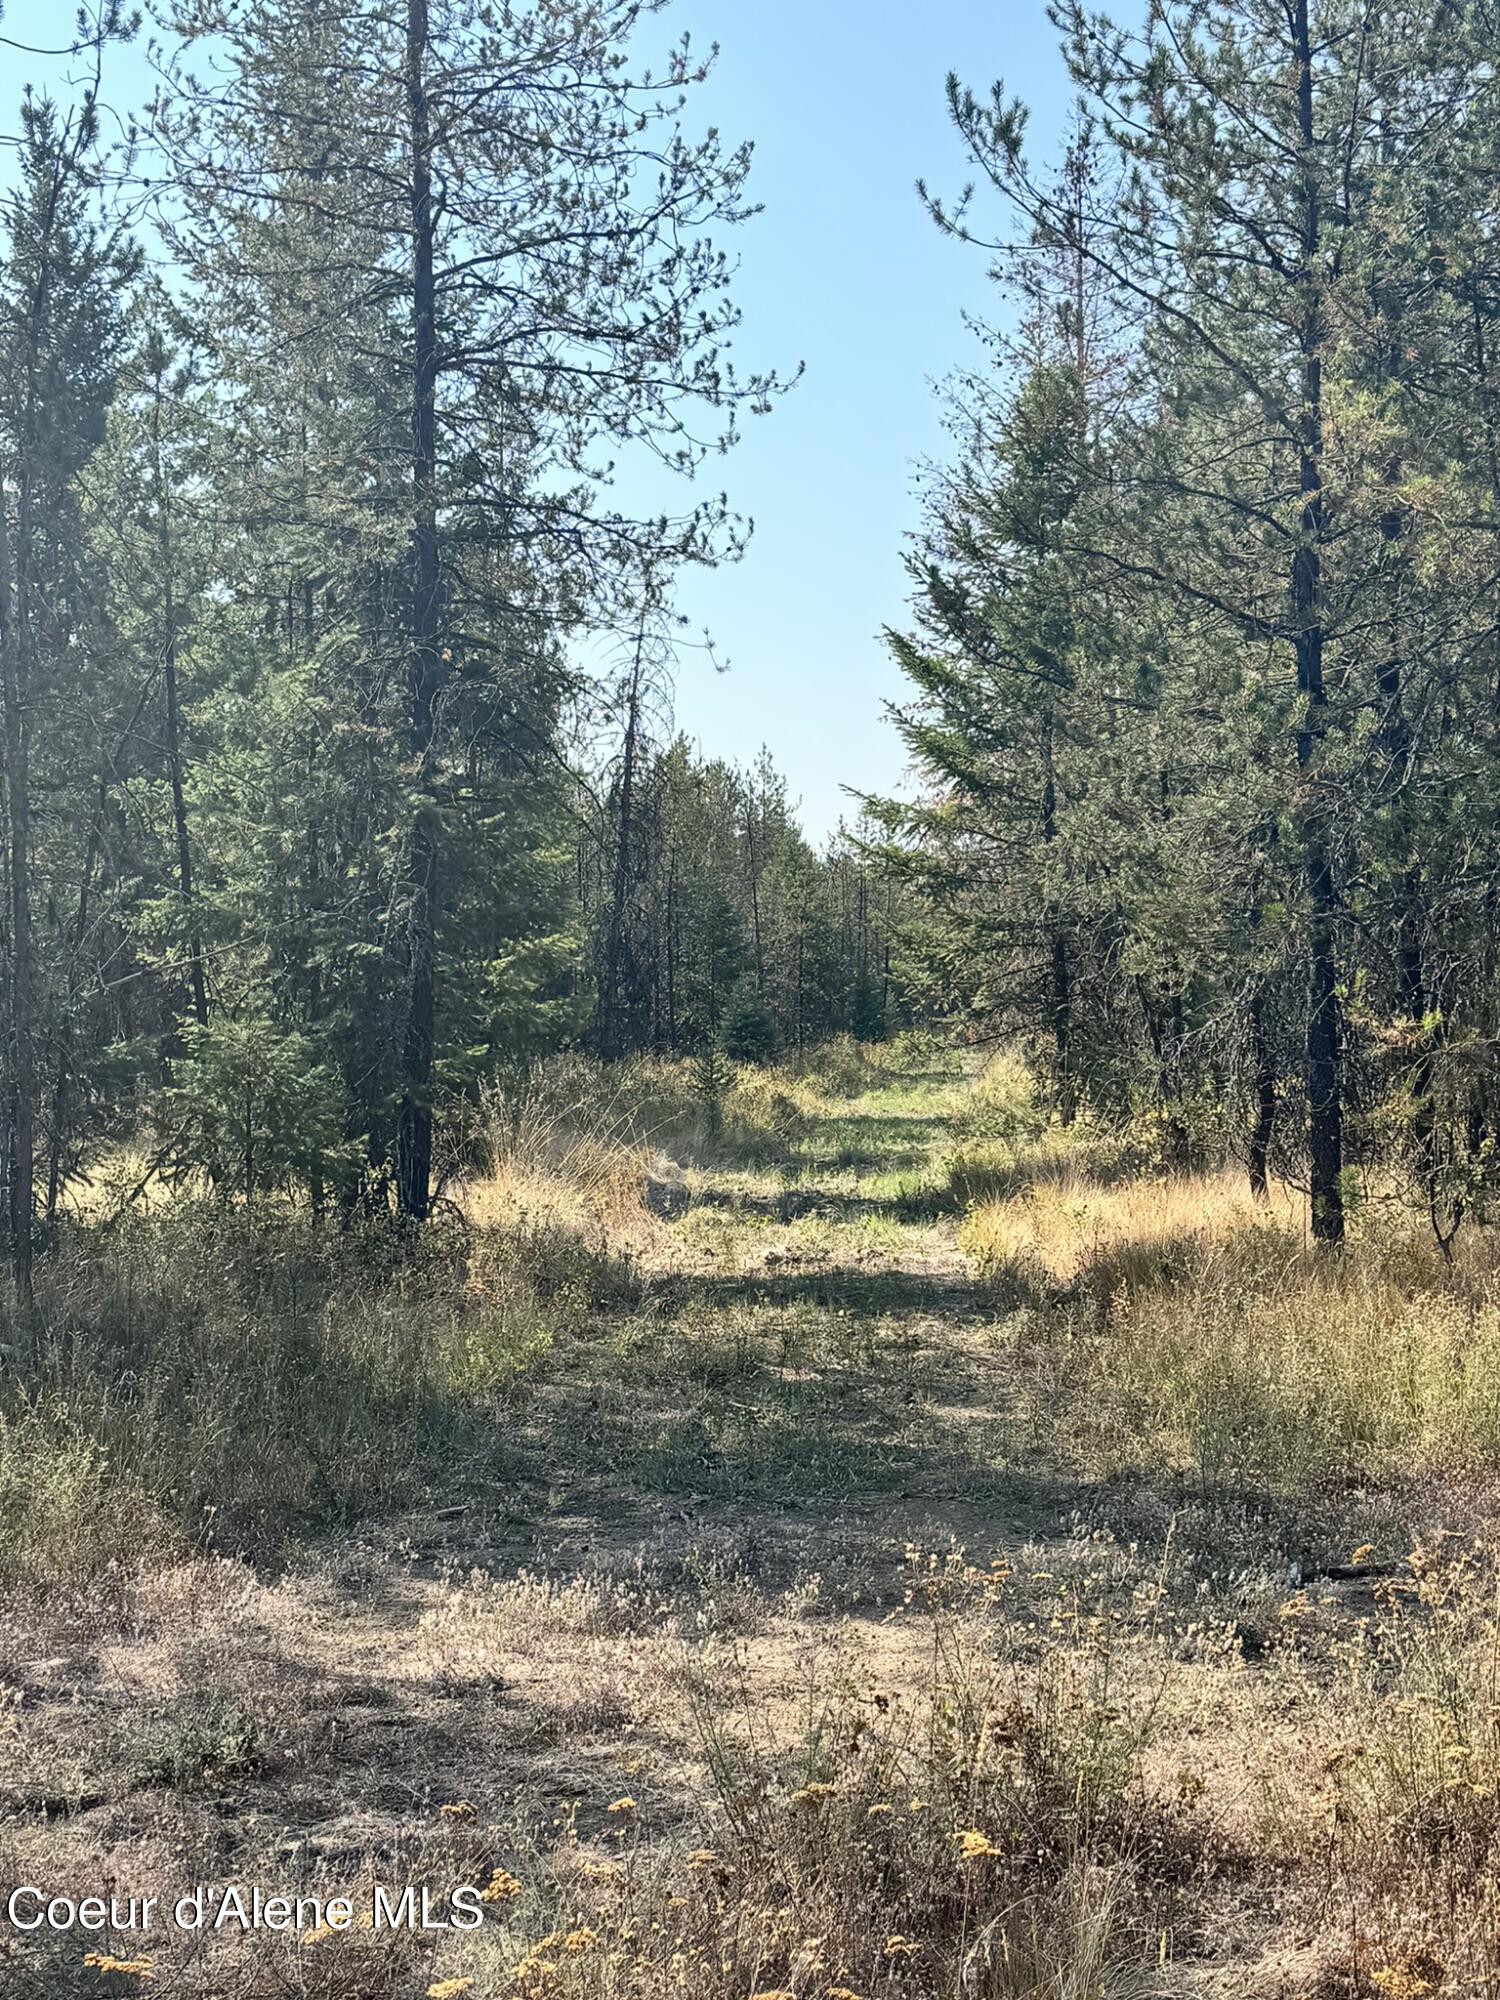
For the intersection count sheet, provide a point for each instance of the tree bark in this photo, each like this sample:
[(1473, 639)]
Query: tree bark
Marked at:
[(414, 1119), (196, 987), (22, 970), (620, 1005), (1324, 1075), (1061, 1000), (1264, 1127)]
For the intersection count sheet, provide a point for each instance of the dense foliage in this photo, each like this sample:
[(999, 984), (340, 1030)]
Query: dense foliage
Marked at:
[(310, 400), (1205, 664)]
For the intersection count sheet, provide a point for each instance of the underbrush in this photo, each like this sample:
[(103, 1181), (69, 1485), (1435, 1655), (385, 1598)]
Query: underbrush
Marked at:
[(1393, 1797), (1196, 1326), (579, 1129), (234, 1378), (1267, 1363), (1064, 1229), (991, 1832), (1006, 1143)]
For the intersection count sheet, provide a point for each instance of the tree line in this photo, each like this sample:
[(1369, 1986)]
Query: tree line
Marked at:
[(319, 394), (1206, 650)]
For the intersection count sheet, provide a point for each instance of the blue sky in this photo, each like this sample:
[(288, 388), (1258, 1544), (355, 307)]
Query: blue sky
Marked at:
[(845, 272)]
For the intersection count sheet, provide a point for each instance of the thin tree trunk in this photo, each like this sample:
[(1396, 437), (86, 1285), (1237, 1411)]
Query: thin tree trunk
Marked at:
[(1262, 1131), (22, 970), (414, 1119), (620, 1000), (173, 717), (1324, 1076), (1061, 1001), (754, 861)]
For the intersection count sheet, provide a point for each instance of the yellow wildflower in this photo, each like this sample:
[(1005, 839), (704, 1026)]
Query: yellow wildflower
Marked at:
[(127, 1968), (582, 1939), (811, 1794), (919, 1806), (877, 1812), (702, 1857), (459, 1809), (502, 1886), (625, 1805), (841, 1993), (600, 1871), (449, 1989), (974, 1845), (897, 1946), (1409, 1978)]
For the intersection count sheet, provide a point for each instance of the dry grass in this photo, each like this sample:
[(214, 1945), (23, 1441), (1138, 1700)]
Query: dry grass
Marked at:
[(943, 1805), (202, 1374), (1067, 1231), (235, 1380), (553, 1160), (1211, 1710), (1280, 1370), (1213, 1334)]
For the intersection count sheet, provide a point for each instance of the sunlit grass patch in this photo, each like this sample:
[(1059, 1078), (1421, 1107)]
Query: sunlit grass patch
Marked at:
[(1065, 1231)]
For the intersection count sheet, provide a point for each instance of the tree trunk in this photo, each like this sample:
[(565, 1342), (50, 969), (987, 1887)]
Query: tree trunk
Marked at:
[(1262, 1130), (1324, 1057), (620, 1007), (196, 987), (414, 1119), (753, 859), (1061, 1002), (22, 970)]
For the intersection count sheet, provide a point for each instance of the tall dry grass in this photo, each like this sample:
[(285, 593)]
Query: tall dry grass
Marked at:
[(234, 1380), (587, 1126), (233, 1377), (1208, 1331), (1066, 1231), (1264, 1362)]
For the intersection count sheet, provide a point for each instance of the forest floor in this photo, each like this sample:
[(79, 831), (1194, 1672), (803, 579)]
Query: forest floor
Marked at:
[(839, 1615)]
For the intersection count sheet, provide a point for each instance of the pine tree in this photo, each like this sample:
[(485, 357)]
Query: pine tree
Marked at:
[(58, 355), (510, 335)]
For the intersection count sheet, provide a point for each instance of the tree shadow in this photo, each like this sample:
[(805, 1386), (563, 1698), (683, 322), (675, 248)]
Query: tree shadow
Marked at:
[(923, 1203), (875, 1294)]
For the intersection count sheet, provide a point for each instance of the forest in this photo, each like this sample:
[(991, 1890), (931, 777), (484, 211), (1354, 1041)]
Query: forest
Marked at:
[(910, 1415), (313, 820)]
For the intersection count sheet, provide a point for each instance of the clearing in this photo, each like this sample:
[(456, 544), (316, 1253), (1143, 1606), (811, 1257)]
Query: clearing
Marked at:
[(851, 1607)]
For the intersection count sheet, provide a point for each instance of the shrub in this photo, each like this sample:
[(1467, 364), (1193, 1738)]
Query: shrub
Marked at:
[(252, 1111), (747, 1032)]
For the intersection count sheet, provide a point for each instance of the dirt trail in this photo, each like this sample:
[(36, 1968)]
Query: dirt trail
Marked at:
[(732, 1466), (735, 1466)]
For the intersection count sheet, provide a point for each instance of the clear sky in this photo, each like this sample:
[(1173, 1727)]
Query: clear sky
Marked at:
[(845, 272)]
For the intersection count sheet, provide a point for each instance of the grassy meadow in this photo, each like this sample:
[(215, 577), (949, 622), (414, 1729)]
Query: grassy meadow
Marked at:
[(849, 1537)]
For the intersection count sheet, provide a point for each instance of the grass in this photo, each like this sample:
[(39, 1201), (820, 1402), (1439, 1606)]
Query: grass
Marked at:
[(954, 1557), (1204, 1328)]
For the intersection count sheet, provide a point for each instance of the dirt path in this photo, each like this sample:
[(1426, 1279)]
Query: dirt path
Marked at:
[(783, 1402), (736, 1468)]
